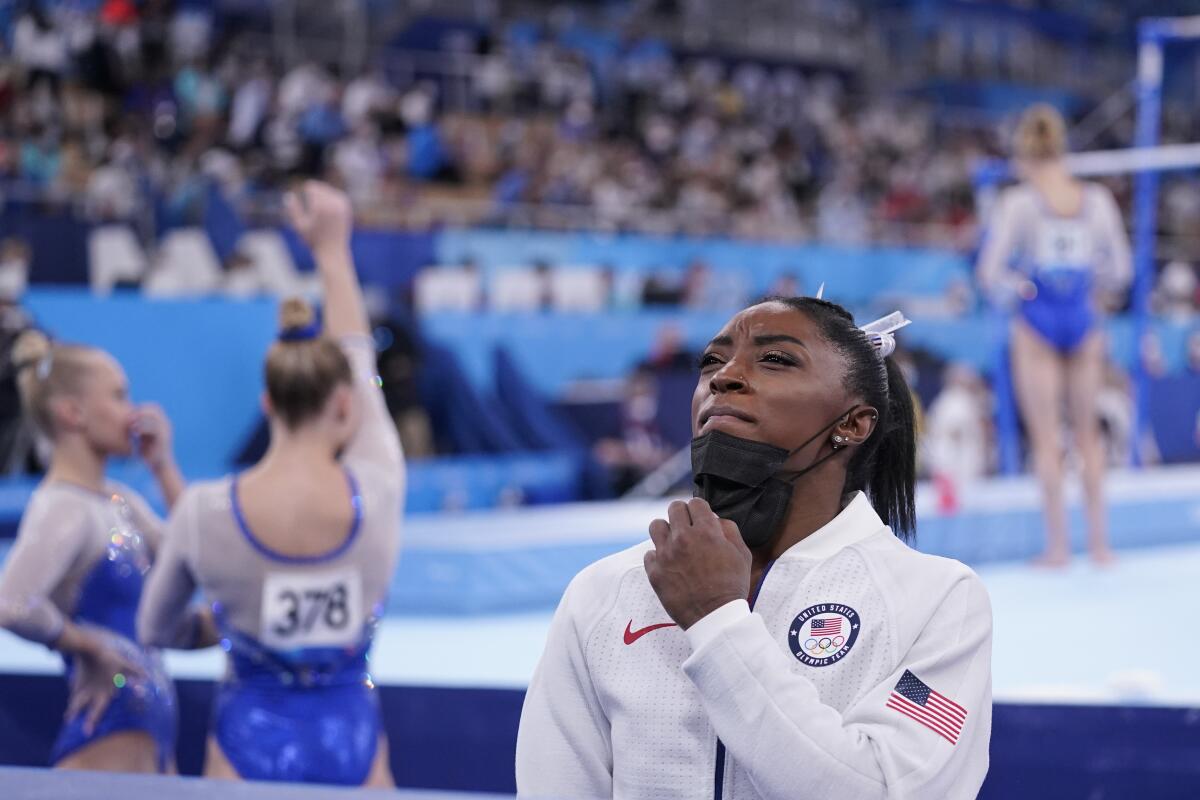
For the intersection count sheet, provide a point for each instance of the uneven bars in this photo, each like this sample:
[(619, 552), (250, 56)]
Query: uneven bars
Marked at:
[(1105, 162)]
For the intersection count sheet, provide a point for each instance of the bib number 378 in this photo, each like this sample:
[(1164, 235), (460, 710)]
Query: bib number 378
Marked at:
[(311, 609)]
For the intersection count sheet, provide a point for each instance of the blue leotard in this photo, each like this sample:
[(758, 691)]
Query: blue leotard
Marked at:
[(297, 703), (1056, 262), (306, 716), (83, 556)]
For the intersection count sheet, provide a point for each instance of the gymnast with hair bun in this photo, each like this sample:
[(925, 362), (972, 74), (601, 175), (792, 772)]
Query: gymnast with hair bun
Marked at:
[(295, 555)]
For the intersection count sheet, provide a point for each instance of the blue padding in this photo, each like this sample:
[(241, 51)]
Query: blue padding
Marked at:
[(222, 222), (381, 258), (456, 483), (429, 32), (517, 561), (465, 740), (538, 424), (999, 99), (522, 559), (479, 482), (1175, 416), (58, 242), (851, 275), (553, 350), (464, 417)]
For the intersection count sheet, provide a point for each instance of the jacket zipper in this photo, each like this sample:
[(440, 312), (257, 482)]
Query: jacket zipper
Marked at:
[(719, 777)]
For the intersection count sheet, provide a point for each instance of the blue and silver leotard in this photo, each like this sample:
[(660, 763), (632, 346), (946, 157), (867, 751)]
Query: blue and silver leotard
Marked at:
[(83, 556), (297, 703), (1058, 261)]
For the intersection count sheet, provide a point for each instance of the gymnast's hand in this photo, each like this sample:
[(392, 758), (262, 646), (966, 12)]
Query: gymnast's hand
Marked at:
[(154, 436), (321, 215), (699, 562), (100, 670)]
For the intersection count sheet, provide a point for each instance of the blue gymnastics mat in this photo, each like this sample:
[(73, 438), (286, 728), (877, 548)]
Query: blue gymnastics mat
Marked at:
[(45, 784)]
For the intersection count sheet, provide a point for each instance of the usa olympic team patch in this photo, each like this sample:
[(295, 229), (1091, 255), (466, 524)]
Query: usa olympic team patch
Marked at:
[(823, 634)]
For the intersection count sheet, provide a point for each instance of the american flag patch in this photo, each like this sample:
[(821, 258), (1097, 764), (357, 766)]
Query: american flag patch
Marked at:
[(915, 700), (830, 626)]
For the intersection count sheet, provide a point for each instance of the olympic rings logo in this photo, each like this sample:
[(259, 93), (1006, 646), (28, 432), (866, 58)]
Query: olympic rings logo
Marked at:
[(823, 634), (824, 646)]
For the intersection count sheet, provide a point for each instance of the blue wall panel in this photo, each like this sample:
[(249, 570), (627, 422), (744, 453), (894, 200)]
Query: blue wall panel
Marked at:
[(201, 359), (465, 739)]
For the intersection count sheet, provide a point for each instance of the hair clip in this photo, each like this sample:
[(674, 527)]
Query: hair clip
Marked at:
[(880, 332), (302, 334)]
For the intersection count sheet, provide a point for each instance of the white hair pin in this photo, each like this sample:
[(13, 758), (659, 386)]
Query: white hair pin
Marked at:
[(880, 332)]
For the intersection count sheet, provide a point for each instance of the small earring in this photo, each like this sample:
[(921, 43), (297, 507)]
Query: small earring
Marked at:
[(838, 439)]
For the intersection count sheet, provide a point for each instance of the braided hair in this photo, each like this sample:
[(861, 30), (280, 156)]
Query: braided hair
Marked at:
[(885, 465)]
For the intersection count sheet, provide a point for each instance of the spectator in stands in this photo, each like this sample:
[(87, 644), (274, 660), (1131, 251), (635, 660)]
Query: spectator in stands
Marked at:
[(957, 437), (698, 286), (320, 125), (1114, 406), (40, 48), (1154, 361), (18, 454), (14, 269), (1193, 352), (399, 364), (641, 448), (241, 280), (359, 162), (367, 98), (249, 106), (111, 193), (662, 289), (1176, 292), (787, 284), (706, 289), (841, 215), (668, 351)]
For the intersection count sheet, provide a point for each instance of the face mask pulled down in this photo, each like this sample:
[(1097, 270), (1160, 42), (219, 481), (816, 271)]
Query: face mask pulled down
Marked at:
[(744, 481)]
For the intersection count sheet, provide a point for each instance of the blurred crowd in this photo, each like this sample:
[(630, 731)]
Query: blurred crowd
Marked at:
[(135, 107), (141, 100)]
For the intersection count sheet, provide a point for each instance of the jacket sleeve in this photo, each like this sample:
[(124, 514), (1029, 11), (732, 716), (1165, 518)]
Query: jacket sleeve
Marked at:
[(793, 746), (563, 743)]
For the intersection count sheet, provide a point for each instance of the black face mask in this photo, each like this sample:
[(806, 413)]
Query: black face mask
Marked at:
[(744, 481)]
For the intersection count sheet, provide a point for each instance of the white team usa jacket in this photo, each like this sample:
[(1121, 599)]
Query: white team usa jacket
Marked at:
[(863, 671)]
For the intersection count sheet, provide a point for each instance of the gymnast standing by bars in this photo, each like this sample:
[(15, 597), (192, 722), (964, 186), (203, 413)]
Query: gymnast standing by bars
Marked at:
[(296, 554), (1054, 244), (74, 577)]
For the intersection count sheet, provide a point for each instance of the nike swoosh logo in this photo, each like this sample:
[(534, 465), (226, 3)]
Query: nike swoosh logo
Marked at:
[(632, 636)]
